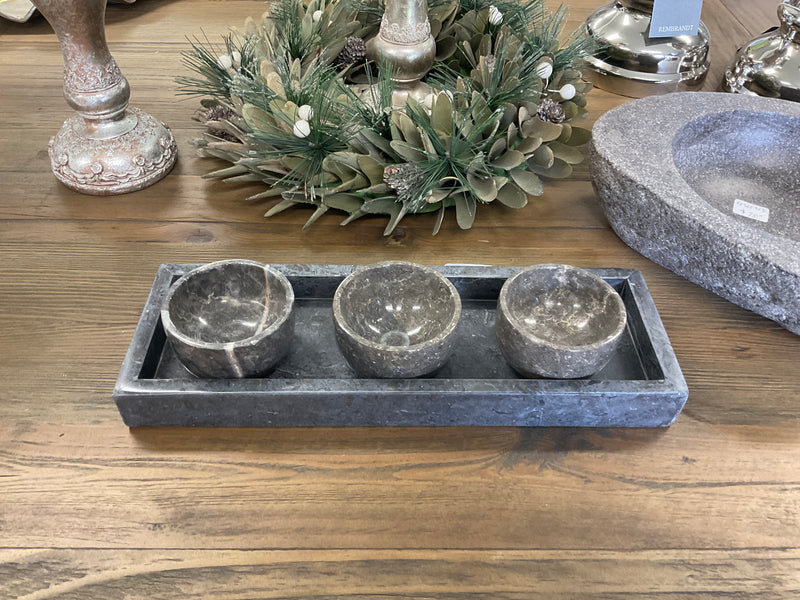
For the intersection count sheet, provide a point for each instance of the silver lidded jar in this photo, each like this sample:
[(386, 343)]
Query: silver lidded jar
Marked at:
[(631, 63)]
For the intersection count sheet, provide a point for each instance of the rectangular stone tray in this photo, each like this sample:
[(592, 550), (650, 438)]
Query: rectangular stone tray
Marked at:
[(642, 386)]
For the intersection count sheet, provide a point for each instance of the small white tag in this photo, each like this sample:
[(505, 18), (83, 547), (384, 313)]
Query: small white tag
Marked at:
[(751, 211), (672, 18)]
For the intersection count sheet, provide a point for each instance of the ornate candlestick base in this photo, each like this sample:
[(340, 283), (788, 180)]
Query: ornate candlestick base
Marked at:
[(405, 42), (107, 148), (124, 163)]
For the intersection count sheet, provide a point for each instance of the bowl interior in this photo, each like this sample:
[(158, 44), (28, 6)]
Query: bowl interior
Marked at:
[(397, 304), (227, 302), (564, 307), (744, 156)]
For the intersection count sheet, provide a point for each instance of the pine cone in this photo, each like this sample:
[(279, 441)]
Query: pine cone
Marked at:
[(221, 113), (402, 178), (354, 51), (550, 110)]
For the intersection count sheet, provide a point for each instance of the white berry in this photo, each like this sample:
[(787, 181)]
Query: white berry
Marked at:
[(544, 70), (305, 112), (225, 61), (301, 129), (567, 92)]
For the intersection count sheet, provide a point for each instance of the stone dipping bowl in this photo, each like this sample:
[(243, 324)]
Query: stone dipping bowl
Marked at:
[(558, 321), (396, 319), (230, 319)]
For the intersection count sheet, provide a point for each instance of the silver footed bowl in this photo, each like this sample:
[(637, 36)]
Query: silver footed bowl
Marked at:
[(396, 319), (230, 319), (558, 321)]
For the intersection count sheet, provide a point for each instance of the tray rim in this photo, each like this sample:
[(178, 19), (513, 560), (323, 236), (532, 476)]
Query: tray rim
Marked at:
[(672, 387)]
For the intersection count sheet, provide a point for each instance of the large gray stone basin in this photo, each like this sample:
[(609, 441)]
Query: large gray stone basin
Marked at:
[(708, 185)]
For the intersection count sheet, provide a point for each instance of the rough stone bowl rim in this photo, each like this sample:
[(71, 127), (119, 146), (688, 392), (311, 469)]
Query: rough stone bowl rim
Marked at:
[(286, 309), (653, 167), (449, 329), (600, 283)]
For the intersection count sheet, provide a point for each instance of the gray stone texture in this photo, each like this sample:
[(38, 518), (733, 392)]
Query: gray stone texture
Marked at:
[(396, 319), (230, 319), (641, 386), (668, 170), (558, 321)]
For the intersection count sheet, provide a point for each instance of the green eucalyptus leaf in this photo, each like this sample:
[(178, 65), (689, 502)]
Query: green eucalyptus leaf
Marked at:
[(566, 132), (512, 196), (371, 168), (466, 207), (484, 188), (497, 148), (509, 160), (227, 172), (321, 210), (280, 207), (542, 157), (535, 127), (558, 170), (579, 137), (257, 118), (528, 181), (529, 144), (442, 114), (408, 153), (445, 48), (439, 219), (569, 154), (407, 128), (380, 142), (345, 202)]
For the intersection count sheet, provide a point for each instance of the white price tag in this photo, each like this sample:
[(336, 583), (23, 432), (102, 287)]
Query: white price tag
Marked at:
[(750, 210)]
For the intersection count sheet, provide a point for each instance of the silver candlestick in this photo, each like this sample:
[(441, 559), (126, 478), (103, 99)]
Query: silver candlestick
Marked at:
[(769, 65), (406, 43), (107, 148)]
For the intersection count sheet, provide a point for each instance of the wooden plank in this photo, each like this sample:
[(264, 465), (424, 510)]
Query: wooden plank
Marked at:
[(755, 17), (467, 488), (385, 574)]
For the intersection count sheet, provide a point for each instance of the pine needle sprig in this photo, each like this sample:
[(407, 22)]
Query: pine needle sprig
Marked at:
[(508, 76), (214, 79), (306, 155), (460, 154), (372, 109)]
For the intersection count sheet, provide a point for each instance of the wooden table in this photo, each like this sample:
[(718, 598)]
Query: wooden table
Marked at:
[(708, 508)]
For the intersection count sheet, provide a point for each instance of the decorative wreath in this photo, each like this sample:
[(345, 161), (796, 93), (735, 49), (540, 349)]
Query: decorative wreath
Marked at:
[(293, 102)]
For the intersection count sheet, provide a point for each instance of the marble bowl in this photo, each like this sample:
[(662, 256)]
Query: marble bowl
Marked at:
[(396, 319), (230, 319), (558, 321)]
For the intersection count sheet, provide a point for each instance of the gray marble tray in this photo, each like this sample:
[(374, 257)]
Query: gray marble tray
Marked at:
[(642, 386)]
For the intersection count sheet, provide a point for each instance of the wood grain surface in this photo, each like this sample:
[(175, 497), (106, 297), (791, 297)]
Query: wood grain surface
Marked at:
[(709, 508)]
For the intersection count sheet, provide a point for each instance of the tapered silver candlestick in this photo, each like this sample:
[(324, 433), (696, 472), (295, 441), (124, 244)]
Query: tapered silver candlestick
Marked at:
[(406, 43), (107, 148)]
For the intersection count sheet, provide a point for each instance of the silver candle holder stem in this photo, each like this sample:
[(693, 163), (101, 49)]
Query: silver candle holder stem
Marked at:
[(406, 44), (107, 147)]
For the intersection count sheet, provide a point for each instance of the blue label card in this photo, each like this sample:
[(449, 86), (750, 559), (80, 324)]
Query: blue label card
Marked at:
[(675, 17)]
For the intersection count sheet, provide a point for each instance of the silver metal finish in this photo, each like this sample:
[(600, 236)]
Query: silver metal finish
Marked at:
[(405, 41), (106, 148), (631, 63), (770, 64)]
